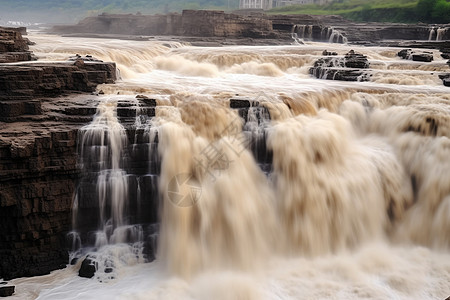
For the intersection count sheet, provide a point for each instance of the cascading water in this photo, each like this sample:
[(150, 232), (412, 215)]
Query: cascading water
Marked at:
[(110, 197), (437, 34), (266, 183), (432, 34), (335, 36), (440, 32)]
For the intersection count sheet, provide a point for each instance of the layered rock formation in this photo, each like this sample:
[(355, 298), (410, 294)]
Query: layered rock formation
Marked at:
[(189, 23), (257, 25), (13, 47), (38, 170), (424, 56), (20, 84), (351, 67)]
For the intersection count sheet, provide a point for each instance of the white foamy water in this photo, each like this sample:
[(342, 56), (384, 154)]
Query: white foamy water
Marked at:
[(357, 204)]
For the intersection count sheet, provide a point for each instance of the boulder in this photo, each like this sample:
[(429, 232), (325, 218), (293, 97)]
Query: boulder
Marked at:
[(405, 53), (347, 68), (6, 291), (328, 53), (87, 57), (424, 57), (445, 79), (88, 268), (343, 75), (356, 60)]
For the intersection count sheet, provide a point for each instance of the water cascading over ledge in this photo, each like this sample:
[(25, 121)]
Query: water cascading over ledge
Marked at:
[(116, 205), (255, 173), (116, 202)]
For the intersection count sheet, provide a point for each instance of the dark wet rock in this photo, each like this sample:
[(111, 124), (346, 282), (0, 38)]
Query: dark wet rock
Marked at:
[(37, 174), (348, 68), (242, 103), (424, 56), (445, 79), (328, 53), (356, 60), (6, 291), (343, 75), (146, 100), (84, 58), (88, 268), (405, 53), (445, 55)]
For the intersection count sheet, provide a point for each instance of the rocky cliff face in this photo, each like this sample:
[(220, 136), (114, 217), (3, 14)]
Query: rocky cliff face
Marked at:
[(38, 170), (13, 47), (190, 23), (219, 24)]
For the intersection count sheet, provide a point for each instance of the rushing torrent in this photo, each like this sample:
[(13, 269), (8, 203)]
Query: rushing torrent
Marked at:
[(251, 180)]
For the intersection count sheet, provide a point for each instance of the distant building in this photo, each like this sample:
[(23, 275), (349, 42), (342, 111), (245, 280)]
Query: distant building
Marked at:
[(280, 3), (268, 4), (255, 4)]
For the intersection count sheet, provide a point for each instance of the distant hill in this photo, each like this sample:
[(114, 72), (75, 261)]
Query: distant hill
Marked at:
[(409, 11)]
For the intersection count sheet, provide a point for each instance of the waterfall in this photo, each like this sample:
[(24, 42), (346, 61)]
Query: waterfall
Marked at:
[(335, 36), (432, 34), (245, 178), (114, 190), (302, 31), (440, 32), (294, 34)]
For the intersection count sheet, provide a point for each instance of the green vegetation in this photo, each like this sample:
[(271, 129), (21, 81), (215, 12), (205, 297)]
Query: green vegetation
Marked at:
[(409, 11)]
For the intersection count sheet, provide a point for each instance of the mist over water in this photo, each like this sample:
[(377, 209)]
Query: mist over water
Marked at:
[(355, 202)]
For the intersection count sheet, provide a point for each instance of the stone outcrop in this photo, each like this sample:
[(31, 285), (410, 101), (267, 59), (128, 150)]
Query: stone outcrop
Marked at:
[(351, 67), (445, 79), (6, 291), (54, 78), (21, 84), (423, 56), (88, 268), (38, 160), (13, 47)]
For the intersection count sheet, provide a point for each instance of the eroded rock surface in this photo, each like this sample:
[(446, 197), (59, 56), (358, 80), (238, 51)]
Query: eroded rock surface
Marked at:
[(39, 122), (13, 47), (203, 24), (350, 67)]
